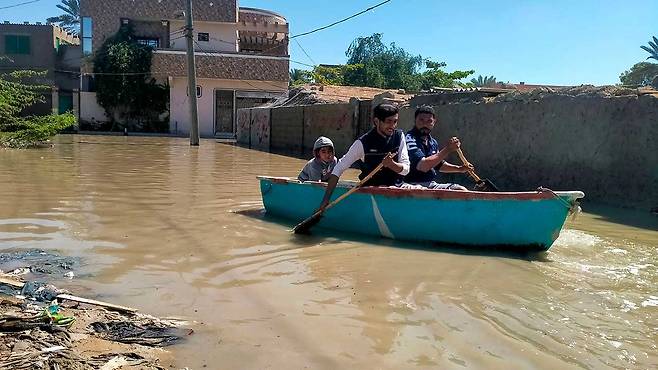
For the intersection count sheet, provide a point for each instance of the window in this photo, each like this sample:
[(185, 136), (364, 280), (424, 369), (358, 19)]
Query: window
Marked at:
[(154, 43), (204, 36), (87, 35), (16, 44)]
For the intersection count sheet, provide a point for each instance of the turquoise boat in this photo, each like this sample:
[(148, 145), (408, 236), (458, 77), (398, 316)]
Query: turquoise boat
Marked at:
[(528, 221)]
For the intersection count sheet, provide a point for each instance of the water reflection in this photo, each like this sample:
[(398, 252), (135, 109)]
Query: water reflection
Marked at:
[(179, 231)]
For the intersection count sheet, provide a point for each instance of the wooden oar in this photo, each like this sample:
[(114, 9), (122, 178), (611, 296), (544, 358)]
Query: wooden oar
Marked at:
[(480, 184), (304, 226)]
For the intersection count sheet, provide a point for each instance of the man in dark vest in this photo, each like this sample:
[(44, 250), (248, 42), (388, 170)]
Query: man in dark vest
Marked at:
[(384, 143), (424, 154)]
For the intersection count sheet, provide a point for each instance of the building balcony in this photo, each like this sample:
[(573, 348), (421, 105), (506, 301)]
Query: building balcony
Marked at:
[(229, 66)]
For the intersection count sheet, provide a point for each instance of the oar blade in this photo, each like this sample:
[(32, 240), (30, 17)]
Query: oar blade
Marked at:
[(305, 226)]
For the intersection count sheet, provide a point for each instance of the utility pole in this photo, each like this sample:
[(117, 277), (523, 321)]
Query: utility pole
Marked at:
[(191, 77)]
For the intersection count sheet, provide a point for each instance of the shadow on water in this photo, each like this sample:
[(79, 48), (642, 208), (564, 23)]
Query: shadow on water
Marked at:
[(642, 219), (320, 235)]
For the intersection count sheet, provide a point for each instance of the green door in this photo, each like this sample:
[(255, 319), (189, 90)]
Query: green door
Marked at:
[(65, 103)]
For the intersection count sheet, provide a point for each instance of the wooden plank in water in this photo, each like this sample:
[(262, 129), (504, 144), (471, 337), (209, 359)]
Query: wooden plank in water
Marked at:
[(69, 297), (96, 303)]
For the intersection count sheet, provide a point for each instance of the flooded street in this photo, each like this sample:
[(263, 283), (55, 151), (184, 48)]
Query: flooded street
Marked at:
[(179, 231)]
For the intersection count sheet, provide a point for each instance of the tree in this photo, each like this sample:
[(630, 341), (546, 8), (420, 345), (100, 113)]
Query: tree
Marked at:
[(485, 81), (640, 74), (17, 92), (383, 66), (434, 76), (652, 49), (371, 63), (124, 86), (328, 75), (300, 77), (70, 20)]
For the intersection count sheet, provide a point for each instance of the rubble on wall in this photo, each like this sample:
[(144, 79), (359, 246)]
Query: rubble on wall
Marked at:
[(327, 94), (609, 91)]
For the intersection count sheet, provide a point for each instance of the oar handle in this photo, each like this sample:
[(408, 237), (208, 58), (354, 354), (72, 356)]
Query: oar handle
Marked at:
[(355, 188), (347, 193), (466, 163)]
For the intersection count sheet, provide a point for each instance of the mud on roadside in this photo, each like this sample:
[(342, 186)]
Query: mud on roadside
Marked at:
[(43, 327)]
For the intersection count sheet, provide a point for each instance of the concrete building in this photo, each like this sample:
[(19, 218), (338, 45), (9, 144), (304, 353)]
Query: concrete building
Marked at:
[(47, 48), (241, 56)]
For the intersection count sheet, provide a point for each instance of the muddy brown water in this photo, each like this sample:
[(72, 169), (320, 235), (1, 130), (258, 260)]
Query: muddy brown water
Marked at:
[(179, 231)]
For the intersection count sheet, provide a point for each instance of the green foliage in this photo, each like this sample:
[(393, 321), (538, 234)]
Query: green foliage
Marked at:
[(652, 49), (124, 87), (389, 67), (300, 77), (70, 20), (363, 75), (32, 131), (434, 76), (486, 81), (17, 92), (327, 75), (371, 63), (640, 74)]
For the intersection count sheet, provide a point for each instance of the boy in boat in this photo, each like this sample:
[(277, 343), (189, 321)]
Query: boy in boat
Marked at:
[(320, 166), (424, 154), (384, 143)]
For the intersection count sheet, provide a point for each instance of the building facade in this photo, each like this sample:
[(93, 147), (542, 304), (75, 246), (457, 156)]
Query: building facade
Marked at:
[(45, 48), (241, 56)]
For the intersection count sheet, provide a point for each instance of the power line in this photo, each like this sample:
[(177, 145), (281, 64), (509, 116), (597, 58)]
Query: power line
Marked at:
[(111, 73), (340, 21), (300, 63), (19, 4), (308, 56)]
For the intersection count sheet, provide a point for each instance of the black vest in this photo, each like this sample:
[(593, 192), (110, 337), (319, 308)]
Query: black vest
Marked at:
[(375, 147)]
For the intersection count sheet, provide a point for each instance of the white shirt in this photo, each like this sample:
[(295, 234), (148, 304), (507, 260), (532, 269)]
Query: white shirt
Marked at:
[(356, 152)]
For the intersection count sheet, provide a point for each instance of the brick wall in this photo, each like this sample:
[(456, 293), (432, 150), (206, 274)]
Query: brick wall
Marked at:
[(288, 130)]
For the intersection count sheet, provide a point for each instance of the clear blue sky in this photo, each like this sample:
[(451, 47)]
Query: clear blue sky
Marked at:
[(561, 42)]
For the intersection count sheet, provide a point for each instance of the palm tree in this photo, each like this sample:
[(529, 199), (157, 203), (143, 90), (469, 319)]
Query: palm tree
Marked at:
[(483, 81), (70, 20), (299, 76), (653, 49)]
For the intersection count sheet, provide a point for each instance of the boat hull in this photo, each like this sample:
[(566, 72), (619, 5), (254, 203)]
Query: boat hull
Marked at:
[(522, 220)]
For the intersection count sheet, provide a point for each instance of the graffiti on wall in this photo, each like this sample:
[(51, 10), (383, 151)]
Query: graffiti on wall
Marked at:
[(260, 129), (243, 125)]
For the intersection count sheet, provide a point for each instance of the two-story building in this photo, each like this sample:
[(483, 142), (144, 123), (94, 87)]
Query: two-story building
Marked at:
[(45, 48), (241, 56)]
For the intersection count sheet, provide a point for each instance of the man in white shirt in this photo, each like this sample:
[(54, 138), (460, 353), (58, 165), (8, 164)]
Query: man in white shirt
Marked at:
[(384, 143)]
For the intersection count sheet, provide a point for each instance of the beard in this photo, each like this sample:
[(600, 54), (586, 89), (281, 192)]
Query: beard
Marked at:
[(424, 131)]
